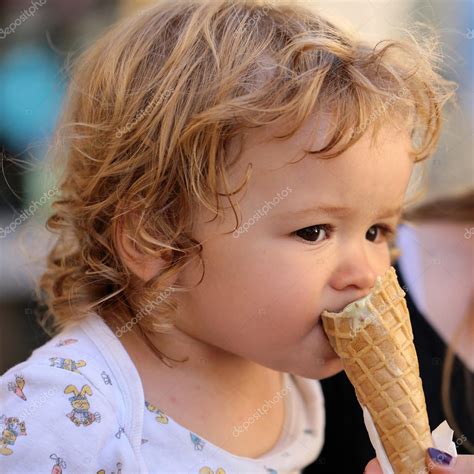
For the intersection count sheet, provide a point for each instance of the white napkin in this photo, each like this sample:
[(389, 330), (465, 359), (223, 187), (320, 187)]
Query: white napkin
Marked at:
[(442, 440)]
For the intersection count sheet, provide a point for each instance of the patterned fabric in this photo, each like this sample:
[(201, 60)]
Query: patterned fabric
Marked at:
[(77, 405)]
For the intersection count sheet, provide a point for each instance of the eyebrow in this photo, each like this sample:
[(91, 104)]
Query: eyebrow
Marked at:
[(339, 211)]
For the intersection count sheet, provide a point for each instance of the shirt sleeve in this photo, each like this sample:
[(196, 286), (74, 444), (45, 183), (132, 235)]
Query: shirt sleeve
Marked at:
[(54, 420)]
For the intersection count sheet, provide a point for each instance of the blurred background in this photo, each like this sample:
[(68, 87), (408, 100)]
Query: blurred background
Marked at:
[(37, 39)]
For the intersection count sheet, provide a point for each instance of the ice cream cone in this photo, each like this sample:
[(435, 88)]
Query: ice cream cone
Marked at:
[(374, 339)]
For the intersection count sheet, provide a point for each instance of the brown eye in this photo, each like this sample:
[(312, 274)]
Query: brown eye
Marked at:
[(313, 233), (372, 233), (387, 232)]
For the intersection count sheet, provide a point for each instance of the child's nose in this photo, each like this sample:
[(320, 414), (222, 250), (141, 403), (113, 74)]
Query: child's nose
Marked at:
[(356, 275)]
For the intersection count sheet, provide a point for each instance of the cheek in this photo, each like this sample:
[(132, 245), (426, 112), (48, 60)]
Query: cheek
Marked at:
[(287, 304), (253, 299), (382, 260)]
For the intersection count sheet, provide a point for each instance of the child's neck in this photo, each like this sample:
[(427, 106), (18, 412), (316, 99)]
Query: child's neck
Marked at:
[(211, 393)]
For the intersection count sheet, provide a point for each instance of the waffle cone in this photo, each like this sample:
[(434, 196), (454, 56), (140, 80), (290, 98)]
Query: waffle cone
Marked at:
[(374, 339)]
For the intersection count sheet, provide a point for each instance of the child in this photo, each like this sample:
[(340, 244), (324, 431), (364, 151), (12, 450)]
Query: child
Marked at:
[(233, 169)]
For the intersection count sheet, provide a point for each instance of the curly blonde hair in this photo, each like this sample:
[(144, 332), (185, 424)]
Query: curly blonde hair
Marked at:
[(152, 106)]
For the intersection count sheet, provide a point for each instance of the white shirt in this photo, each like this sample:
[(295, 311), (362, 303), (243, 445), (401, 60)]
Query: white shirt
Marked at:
[(77, 405)]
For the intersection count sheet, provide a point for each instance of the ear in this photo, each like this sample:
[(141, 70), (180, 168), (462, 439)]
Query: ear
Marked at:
[(71, 388), (86, 389), (144, 266)]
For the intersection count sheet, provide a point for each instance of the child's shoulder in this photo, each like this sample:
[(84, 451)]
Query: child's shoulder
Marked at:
[(58, 402), (72, 355), (63, 367)]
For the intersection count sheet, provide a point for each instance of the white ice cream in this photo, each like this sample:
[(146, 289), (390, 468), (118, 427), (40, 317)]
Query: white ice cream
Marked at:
[(361, 313)]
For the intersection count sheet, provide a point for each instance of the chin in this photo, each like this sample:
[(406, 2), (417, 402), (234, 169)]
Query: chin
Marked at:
[(331, 368)]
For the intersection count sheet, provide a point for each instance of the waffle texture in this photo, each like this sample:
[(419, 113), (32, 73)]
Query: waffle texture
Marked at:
[(374, 339)]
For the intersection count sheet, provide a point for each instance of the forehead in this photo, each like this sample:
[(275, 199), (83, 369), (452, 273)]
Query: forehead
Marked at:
[(379, 170)]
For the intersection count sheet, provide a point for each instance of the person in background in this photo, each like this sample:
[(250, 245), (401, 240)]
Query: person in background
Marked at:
[(433, 258), (179, 124)]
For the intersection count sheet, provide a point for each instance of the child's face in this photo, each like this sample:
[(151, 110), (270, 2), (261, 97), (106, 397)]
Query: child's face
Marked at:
[(264, 288)]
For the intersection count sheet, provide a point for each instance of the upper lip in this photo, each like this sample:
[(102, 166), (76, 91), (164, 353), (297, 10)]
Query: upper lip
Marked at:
[(339, 308)]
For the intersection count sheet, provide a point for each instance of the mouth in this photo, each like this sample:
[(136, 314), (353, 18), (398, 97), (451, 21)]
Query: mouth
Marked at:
[(319, 321), (319, 325)]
